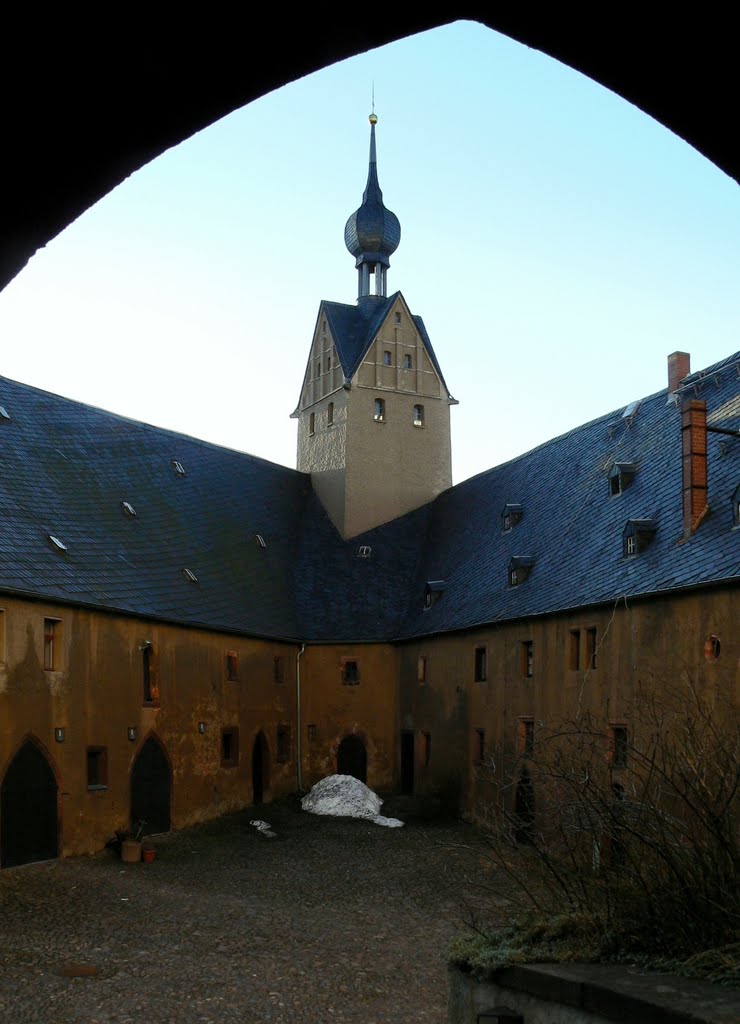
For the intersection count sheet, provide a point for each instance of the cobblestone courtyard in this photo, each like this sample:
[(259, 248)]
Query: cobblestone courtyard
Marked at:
[(332, 920)]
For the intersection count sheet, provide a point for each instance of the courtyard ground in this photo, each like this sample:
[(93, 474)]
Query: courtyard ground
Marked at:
[(333, 920)]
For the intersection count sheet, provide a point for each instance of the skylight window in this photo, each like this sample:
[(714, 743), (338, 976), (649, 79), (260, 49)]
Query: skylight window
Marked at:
[(58, 544), (261, 543), (190, 575), (4, 414), (178, 467), (128, 508), (631, 411)]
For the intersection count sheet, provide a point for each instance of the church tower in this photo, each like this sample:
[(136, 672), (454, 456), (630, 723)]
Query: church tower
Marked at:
[(374, 410)]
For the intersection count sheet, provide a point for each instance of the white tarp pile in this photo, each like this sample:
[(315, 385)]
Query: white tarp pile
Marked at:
[(343, 796)]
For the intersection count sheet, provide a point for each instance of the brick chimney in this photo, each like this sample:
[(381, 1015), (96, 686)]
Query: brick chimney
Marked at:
[(694, 462), (679, 366)]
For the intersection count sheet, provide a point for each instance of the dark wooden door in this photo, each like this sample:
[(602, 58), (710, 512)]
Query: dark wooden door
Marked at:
[(260, 768), (407, 762), (151, 783), (28, 809), (352, 758)]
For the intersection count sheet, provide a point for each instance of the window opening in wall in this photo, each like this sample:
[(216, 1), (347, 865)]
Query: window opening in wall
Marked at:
[(421, 668), (427, 754), (481, 659), (97, 767), (397, 317), (510, 516), (526, 737), (591, 648), (364, 551), (232, 666), (418, 415), (230, 747), (480, 746), (283, 743), (330, 413), (507, 523), (408, 363), (311, 732), (178, 467), (328, 363), (712, 647), (350, 672), (318, 367), (151, 690), (520, 566), (574, 649), (52, 638), (312, 423), (526, 659), (387, 358), (379, 410), (278, 669), (629, 545), (323, 327), (619, 746)]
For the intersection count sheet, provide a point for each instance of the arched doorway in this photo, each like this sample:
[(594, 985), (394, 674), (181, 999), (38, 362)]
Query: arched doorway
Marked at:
[(260, 768), (151, 783), (352, 758), (29, 827), (524, 809)]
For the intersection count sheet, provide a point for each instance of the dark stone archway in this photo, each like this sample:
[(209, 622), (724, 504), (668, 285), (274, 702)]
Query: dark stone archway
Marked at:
[(151, 785), (352, 758), (29, 822)]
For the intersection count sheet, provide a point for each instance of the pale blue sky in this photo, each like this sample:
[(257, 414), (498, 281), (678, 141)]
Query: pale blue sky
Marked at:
[(557, 242)]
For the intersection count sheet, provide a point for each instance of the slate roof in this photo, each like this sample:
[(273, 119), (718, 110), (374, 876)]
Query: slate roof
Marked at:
[(65, 469)]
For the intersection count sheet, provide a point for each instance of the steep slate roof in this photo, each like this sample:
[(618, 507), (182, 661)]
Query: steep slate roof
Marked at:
[(65, 468), (572, 526), (354, 329)]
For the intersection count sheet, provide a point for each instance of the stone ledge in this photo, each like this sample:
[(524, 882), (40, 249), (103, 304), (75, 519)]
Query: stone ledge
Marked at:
[(596, 992)]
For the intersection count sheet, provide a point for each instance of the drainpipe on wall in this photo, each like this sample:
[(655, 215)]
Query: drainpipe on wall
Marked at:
[(299, 727)]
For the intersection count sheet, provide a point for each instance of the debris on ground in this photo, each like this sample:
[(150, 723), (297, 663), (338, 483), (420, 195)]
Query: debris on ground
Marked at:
[(264, 828), (344, 796)]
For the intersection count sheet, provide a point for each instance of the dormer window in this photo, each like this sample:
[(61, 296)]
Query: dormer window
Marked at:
[(433, 592), (418, 415), (408, 362), (637, 535), (387, 358), (510, 516), (620, 476), (364, 551), (520, 567), (379, 410), (736, 507)]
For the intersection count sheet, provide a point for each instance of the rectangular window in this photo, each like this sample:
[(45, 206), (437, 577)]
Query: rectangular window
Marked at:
[(230, 747), (427, 736), (52, 642), (574, 649), (151, 689), (421, 669), (591, 649), (480, 746), (418, 415), (350, 672), (379, 410), (312, 423), (232, 666), (618, 751), (283, 744), (97, 767), (278, 669), (387, 358), (407, 362), (526, 659), (312, 733), (330, 413), (525, 737), (481, 664)]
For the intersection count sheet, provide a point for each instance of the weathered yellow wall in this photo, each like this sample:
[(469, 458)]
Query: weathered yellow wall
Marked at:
[(650, 646)]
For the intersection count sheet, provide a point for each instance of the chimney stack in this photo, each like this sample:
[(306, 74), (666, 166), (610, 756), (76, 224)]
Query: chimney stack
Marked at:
[(679, 366), (694, 462)]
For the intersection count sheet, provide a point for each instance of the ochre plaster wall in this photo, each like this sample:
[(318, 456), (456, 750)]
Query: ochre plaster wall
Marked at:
[(651, 646)]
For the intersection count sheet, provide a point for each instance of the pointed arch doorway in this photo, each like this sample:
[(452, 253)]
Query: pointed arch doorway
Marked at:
[(260, 769), (29, 820), (151, 787), (352, 758)]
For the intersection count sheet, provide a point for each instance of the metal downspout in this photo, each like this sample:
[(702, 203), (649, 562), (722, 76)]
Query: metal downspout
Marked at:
[(299, 727)]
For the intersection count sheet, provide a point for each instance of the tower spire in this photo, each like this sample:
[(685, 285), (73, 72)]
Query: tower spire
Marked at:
[(373, 232)]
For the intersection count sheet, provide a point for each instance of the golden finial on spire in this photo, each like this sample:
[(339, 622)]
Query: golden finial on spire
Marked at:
[(373, 119)]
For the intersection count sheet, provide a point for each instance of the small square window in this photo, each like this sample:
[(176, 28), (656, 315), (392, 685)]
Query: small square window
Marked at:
[(232, 666), (481, 664), (52, 643), (283, 744), (387, 358), (278, 669), (230, 747), (97, 767), (574, 650), (526, 659), (350, 672), (421, 669)]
